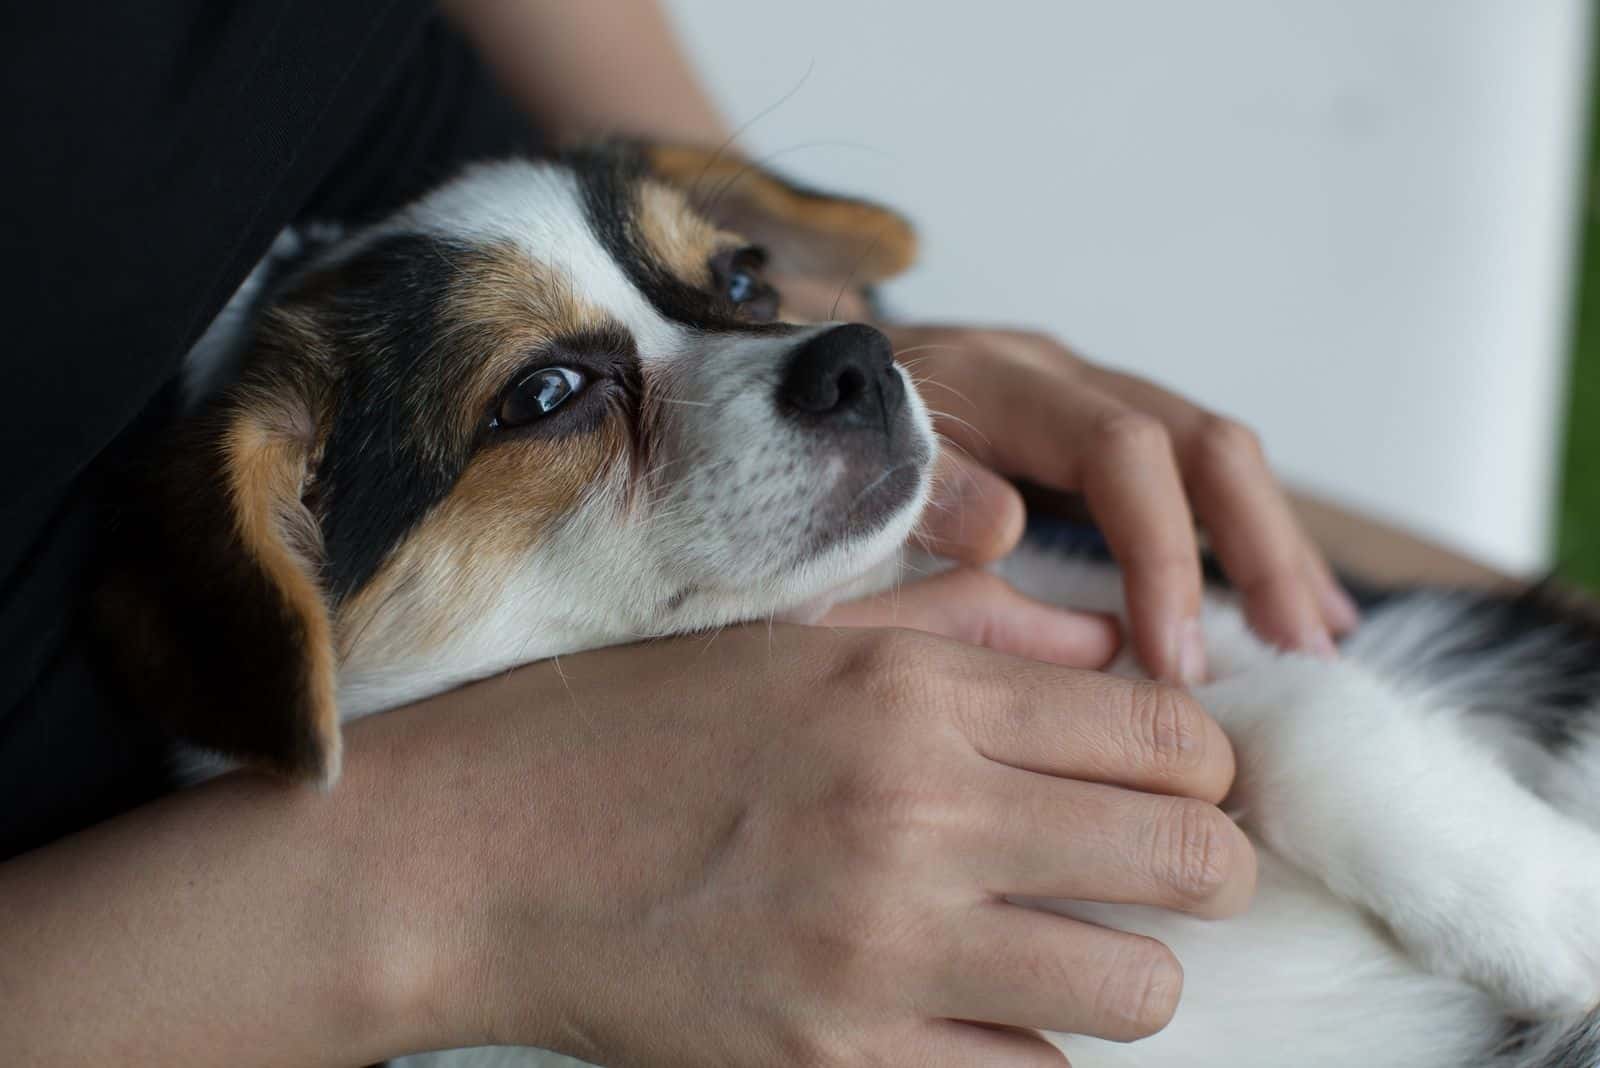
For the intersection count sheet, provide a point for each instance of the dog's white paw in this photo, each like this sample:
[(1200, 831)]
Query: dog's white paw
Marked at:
[(1398, 807), (1525, 927)]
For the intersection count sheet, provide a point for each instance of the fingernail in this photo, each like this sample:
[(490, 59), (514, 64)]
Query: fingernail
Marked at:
[(1340, 608), (1320, 645), (1191, 653)]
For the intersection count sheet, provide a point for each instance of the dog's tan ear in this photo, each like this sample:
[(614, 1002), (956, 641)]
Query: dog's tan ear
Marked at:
[(210, 610), (805, 232)]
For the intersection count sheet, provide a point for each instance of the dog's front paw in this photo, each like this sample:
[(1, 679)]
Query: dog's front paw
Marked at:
[(1399, 808), (1525, 927)]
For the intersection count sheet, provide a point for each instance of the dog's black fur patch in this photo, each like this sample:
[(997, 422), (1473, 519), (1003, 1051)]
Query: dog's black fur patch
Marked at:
[(383, 467), (609, 178)]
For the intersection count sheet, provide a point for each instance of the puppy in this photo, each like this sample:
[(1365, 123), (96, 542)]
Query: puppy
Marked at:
[(552, 406)]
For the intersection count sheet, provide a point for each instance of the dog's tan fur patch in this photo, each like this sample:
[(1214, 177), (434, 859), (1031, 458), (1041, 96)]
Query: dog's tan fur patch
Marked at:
[(456, 561), (502, 307), (805, 232), (266, 454), (679, 236)]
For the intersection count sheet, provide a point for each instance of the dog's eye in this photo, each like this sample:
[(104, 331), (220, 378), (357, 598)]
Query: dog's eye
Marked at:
[(537, 395), (737, 274), (742, 287)]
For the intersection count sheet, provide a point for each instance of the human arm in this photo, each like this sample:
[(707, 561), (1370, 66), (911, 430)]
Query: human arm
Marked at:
[(804, 834), (561, 63)]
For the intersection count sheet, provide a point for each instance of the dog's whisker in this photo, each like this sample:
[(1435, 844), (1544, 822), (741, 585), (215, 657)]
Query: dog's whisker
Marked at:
[(742, 128), (940, 414)]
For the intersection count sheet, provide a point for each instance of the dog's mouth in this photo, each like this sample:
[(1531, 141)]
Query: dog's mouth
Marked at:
[(866, 504)]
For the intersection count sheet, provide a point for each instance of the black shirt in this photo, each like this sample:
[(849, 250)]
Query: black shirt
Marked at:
[(153, 150)]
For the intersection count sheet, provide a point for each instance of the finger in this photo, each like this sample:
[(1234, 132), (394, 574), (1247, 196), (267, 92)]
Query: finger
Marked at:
[(959, 1044), (1099, 728), (1339, 609), (1063, 431), (980, 608), (1054, 838), (1132, 487), (1018, 967), (1255, 535), (943, 1043), (974, 516)]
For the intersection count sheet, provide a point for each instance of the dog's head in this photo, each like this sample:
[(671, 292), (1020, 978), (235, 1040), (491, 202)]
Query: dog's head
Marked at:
[(551, 406)]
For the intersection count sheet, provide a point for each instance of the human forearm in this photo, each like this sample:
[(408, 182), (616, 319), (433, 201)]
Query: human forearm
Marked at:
[(593, 69), (244, 922)]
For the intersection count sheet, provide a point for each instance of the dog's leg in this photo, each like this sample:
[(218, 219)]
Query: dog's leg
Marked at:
[(1398, 807)]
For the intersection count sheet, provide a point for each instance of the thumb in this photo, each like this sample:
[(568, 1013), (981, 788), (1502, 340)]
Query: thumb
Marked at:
[(975, 516), (980, 608)]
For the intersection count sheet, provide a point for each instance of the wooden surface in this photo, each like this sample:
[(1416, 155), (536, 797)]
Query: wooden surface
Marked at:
[(1386, 555)]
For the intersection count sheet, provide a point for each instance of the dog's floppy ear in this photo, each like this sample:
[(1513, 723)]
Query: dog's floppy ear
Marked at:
[(210, 609), (805, 232)]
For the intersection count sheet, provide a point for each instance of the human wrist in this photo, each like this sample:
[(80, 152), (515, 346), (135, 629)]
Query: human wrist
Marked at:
[(405, 963), (425, 843)]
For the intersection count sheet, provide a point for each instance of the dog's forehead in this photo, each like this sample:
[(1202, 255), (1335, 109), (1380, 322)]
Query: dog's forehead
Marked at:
[(544, 212)]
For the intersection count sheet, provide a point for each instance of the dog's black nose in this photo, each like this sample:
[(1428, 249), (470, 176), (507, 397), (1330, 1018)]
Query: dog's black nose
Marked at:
[(844, 377)]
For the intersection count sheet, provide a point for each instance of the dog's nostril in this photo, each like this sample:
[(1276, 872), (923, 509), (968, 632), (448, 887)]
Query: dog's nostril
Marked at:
[(852, 383), (840, 376)]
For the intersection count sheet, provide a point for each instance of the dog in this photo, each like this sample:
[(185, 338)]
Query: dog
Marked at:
[(553, 406)]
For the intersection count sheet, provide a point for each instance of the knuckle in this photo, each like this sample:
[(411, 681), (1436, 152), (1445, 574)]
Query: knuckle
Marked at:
[(1129, 431), (1139, 994), (1193, 851), (808, 1042), (888, 824), (976, 583), (860, 942), (890, 666), (1223, 445), (1040, 340), (1167, 730)]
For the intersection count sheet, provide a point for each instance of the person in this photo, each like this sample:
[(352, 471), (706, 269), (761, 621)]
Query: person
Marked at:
[(792, 847)]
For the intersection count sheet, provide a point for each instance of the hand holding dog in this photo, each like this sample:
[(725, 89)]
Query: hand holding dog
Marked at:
[(1148, 463), (806, 853)]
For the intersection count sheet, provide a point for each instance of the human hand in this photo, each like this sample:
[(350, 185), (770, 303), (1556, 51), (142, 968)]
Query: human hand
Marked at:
[(980, 608), (794, 846), (1147, 462)]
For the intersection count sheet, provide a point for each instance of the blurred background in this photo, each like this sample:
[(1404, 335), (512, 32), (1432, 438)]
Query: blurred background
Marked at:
[(1357, 225)]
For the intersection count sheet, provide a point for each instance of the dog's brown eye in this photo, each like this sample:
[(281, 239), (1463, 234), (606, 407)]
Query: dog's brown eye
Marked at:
[(537, 395), (737, 273)]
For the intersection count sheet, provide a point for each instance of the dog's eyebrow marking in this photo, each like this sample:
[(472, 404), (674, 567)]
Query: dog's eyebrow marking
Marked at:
[(613, 185), (681, 240)]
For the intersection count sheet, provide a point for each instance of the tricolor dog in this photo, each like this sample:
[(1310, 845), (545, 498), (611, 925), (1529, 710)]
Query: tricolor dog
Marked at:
[(553, 406)]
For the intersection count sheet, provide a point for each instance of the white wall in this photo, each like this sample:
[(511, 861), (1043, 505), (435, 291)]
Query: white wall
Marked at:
[(1348, 222)]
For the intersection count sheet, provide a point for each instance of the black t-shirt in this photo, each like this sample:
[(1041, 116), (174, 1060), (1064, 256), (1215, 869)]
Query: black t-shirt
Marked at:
[(153, 150)]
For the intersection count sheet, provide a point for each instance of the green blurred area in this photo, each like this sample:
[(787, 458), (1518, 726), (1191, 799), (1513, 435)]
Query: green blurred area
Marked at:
[(1578, 531)]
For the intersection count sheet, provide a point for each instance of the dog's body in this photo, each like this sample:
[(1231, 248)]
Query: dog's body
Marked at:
[(547, 409)]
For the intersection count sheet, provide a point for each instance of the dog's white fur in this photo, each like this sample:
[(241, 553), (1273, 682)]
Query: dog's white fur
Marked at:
[(1416, 881)]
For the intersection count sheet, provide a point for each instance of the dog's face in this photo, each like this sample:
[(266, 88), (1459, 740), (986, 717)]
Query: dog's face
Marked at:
[(550, 407)]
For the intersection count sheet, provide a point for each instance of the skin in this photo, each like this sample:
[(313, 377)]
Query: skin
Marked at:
[(1148, 463), (486, 874), (807, 834)]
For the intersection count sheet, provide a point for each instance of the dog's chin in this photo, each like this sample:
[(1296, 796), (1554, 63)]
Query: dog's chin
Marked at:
[(853, 564)]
